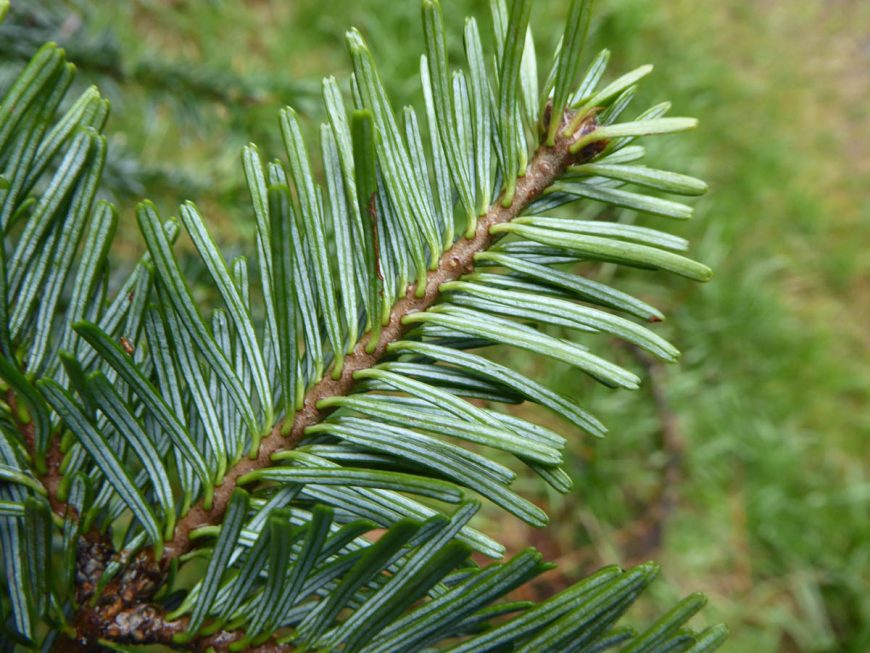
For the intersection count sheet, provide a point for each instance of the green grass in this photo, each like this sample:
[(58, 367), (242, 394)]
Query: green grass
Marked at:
[(771, 394), (770, 506)]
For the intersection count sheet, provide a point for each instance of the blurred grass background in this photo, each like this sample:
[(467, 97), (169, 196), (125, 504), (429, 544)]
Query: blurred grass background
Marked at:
[(743, 470)]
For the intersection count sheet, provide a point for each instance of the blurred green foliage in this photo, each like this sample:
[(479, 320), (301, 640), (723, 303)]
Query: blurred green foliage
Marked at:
[(744, 468)]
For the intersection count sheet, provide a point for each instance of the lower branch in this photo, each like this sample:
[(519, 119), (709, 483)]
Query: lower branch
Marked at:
[(146, 624)]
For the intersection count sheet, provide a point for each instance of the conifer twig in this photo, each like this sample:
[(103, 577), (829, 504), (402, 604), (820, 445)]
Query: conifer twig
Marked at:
[(547, 165), (144, 622)]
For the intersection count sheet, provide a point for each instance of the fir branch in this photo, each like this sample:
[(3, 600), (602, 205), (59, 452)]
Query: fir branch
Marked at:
[(149, 409), (547, 165)]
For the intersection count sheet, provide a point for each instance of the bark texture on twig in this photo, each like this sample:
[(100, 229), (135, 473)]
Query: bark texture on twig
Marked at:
[(53, 476)]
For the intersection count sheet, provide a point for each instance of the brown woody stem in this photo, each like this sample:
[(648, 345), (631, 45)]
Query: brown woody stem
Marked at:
[(52, 477)]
